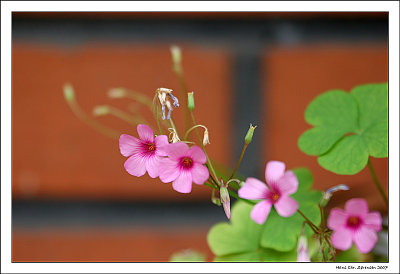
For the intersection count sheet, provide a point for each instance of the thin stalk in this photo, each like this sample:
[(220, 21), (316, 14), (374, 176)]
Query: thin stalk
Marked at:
[(310, 224), (212, 186), (202, 146), (183, 91), (125, 117), (173, 126), (321, 210), (91, 122), (240, 160), (190, 129), (158, 119), (143, 99), (377, 183), (214, 182)]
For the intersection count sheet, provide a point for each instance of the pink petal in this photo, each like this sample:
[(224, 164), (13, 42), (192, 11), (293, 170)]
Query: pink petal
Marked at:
[(153, 166), (260, 211), (341, 239), (356, 206), (129, 145), (253, 189), (183, 183), (288, 183), (200, 173), (337, 219), (197, 154), (169, 170), (303, 256), (177, 150), (136, 165), (373, 220), (365, 239), (273, 171), (145, 133), (286, 206), (161, 142)]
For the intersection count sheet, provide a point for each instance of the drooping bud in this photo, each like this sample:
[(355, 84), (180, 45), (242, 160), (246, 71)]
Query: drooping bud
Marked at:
[(101, 110), (328, 194), (190, 101), (116, 93), (226, 201), (249, 135), (206, 139), (176, 57), (302, 249), (69, 93)]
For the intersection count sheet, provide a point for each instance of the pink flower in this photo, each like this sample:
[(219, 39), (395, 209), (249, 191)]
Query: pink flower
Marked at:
[(354, 224), (281, 184), (184, 166), (144, 154)]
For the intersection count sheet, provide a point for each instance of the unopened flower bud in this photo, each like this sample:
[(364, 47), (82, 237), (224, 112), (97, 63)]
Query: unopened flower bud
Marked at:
[(176, 55), (302, 249), (190, 101), (116, 93), (206, 139), (249, 135), (226, 201), (100, 110), (328, 194), (69, 93)]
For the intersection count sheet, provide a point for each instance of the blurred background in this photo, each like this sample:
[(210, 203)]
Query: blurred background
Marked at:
[(72, 199)]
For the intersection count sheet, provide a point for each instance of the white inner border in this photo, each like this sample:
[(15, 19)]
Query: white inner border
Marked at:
[(8, 7)]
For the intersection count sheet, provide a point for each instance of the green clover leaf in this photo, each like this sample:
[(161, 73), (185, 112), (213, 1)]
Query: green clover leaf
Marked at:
[(348, 128), (274, 241), (239, 241)]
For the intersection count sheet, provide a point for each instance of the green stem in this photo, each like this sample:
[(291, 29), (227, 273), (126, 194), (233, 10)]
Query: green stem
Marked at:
[(91, 122), (125, 117), (214, 182), (376, 181), (205, 152), (321, 210), (183, 93), (190, 129), (156, 108), (212, 186), (240, 160), (310, 224)]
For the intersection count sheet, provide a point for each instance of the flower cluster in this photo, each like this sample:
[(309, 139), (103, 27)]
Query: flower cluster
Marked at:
[(176, 159), (176, 162)]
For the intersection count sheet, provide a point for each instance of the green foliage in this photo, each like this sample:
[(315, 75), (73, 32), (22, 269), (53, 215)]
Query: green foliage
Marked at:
[(274, 241), (348, 128), (352, 255)]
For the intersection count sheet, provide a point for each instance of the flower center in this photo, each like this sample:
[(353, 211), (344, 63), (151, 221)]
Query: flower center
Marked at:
[(187, 162), (275, 197), (151, 147), (353, 221)]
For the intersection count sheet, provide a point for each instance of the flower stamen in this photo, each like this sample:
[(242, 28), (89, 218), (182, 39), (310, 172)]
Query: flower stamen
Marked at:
[(187, 162), (353, 222)]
